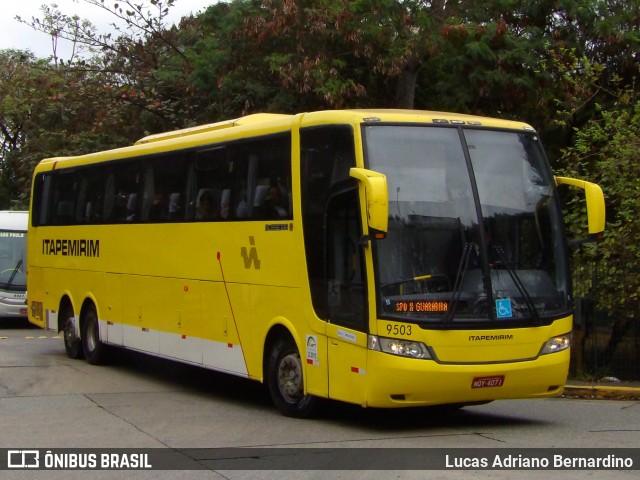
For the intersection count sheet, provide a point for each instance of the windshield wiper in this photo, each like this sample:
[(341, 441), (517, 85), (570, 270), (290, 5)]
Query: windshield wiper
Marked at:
[(14, 273), (457, 288), (518, 283)]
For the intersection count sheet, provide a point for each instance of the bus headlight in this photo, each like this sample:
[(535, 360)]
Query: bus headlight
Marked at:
[(402, 348), (557, 344)]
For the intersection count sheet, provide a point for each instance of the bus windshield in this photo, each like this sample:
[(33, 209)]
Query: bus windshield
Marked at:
[(13, 246), (475, 232)]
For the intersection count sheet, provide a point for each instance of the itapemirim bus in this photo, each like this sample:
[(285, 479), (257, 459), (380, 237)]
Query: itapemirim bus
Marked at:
[(13, 249), (382, 258)]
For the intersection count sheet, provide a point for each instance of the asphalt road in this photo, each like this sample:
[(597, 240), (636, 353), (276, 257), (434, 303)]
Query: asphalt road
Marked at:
[(48, 401)]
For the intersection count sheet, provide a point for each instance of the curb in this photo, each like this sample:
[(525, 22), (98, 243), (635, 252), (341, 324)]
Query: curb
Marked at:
[(601, 392)]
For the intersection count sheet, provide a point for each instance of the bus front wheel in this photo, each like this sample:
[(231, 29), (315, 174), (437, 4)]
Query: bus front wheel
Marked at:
[(286, 382), (94, 350), (72, 344)]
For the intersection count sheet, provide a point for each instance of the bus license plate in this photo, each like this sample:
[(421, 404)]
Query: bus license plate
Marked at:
[(486, 382)]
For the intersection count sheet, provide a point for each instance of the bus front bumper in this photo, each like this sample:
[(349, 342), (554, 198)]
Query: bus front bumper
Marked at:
[(10, 306), (395, 381)]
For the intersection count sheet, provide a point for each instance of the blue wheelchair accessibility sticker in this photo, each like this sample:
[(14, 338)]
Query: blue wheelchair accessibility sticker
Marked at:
[(503, 308)]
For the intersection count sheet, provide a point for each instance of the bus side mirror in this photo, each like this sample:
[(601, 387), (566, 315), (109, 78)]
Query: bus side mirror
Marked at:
[(377, 195), (595, 204)]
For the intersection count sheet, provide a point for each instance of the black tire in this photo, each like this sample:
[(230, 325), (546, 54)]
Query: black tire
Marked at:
[(95, 352), (72, 343), (286, 382)]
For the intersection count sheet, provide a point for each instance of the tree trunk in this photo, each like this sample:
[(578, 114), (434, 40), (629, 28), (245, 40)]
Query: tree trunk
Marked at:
[(406, 86), (618, 330)]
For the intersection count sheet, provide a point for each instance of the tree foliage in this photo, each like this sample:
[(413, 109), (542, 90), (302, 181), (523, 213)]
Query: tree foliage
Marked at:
[(111, 91), (606, 150), (390, 53), (21, 81), (510, 58)]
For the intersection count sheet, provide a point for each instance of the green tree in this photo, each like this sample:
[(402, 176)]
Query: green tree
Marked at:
[(606, 150), (496, 57), (310, 54), (25, 105), (142, 62), (47, 111), (110, 92)]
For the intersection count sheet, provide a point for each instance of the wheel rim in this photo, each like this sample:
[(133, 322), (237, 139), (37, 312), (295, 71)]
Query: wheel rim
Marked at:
[(70, 336), (290, 378), (91, 336)]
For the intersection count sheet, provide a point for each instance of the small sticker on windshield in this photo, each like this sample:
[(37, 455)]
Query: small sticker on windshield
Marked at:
[(503, 308)]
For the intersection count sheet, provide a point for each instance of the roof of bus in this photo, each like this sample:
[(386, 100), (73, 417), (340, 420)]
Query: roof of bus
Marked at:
[(412, 116), (211, 127), (353, 115), (265, 123), (14, 220)]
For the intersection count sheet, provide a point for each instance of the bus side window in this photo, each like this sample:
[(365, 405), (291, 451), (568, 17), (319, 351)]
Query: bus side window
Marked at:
[(64, 197), (126, 182), (41, 200), (148, 195), (132, 207), (164, 184), (175, 207), (110, 199), (206, 204), (268, 178), (64, 212), (225, 203), (213, 169), (90, 195)]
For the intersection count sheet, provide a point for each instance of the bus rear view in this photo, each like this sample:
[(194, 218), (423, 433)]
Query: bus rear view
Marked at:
[(13, 247)]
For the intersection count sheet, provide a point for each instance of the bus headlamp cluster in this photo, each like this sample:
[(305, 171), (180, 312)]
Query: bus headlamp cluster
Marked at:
[(557, 344), (402, 348)]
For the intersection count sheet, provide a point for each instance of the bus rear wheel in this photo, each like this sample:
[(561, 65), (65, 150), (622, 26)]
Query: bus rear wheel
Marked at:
[(285, 380), (72, 343), (94, 350)]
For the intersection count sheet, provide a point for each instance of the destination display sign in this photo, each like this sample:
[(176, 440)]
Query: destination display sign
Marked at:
[(420, 306)]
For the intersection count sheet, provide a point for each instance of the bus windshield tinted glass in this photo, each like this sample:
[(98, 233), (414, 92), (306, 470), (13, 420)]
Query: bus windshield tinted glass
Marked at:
[(474, 230), (12, 255)]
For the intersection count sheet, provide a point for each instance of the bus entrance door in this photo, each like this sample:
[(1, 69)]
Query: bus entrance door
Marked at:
[(347, 364), (346, 300)]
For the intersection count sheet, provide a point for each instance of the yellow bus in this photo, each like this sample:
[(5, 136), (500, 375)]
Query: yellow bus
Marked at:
[(383, 258)]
